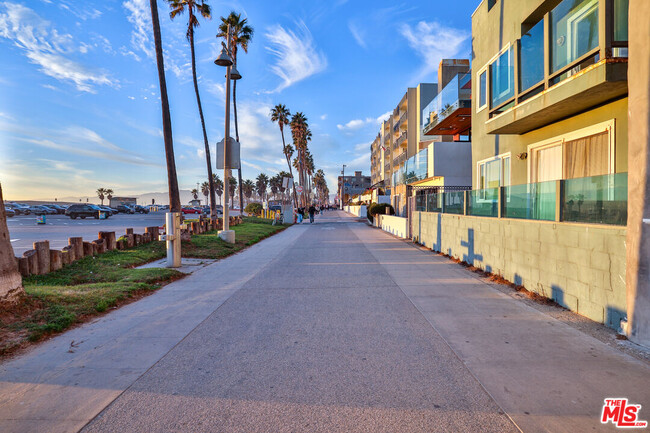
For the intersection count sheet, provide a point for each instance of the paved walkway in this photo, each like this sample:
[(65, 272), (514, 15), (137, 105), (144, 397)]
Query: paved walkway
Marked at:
[(332, 327)]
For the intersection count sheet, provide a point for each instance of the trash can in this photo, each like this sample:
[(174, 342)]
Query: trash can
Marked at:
[(41, 219)]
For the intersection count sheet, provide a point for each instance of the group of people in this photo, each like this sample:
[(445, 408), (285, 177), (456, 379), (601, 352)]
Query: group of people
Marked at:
[(312, 211)]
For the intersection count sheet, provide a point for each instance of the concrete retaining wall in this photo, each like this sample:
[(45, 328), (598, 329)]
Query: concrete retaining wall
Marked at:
[(359, 211), (581, 267), (393, 224)]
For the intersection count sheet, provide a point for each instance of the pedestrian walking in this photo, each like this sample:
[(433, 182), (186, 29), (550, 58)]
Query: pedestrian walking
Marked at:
[(300, 215), (312, 211)]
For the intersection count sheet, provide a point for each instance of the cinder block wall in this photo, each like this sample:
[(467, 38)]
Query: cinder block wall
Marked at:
[(580, 266)]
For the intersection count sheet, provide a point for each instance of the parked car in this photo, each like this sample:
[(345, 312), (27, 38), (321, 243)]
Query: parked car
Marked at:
[(82, 211), (59, 209), (141, 209), (122, 208), (109, 210), (9, 212), (100, 209), (20, 209), (187, 210), (41, 210), (52, 209)]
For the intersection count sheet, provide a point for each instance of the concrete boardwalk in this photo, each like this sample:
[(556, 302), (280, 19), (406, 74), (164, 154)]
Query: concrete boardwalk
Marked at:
[(332, 327)]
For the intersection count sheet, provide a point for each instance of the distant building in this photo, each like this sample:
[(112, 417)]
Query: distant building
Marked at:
[(353, 185), (116, 201)]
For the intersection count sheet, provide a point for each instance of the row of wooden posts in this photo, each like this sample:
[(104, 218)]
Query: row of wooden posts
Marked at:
[(42, 260)]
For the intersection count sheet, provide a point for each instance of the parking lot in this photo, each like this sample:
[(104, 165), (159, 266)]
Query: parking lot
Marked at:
[(24, 231)]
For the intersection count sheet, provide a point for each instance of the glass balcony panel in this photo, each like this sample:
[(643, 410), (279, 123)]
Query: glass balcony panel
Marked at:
[(620, 20), (456, 94), (434, 202), (483, 202), (532, 56), (420, 203), (533, 201), (596, 199), (454, 202), (416, 166), (574, 31), (502, 78)]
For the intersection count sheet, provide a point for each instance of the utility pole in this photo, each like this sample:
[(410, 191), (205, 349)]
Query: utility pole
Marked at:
[(342, 187)]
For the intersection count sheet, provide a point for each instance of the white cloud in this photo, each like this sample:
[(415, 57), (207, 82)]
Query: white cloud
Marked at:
[(357, 34), (383, 117), (139, 16), (47, 48), (352, 125), (323, 116), (296, 54), (361, 146), (433, 42)]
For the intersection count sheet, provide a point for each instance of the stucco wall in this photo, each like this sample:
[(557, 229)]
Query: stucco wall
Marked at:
[(581, 267), (393, 224), (356, 210)]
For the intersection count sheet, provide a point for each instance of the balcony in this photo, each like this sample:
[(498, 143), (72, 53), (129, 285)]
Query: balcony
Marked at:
[(598, 83), (450, 111), (401, 140)]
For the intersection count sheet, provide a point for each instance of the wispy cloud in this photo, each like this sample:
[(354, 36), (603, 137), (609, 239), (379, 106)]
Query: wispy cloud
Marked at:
[(141, 20), (296, 54), (357, 34), (356, 124), (47, 48), (433, 42)]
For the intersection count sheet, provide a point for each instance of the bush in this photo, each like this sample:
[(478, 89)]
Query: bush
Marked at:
[(379, 209), (253, 209)]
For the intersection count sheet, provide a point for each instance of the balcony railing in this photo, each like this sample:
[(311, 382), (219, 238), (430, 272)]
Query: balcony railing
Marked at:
[(449, 112), (401, 139), (589, 200)]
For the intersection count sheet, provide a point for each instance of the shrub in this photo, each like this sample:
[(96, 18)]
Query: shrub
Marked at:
[(253, 209), (380, 209)]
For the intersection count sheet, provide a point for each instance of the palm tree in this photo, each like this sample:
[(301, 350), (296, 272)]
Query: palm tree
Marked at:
[(172, 180), (100, 193), (300, 133), (11, 283), (261, 183), (231, 188), (200, 6), (205, 189), (240, 36), (109, 194), (195, 193), (248, 187), (280, 113), (275, 183), (218, 186)]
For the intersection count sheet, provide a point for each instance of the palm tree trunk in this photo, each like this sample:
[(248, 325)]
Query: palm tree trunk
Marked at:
[(234, 106), (172, 180), (11, 283), (284, 147), (213, 209)]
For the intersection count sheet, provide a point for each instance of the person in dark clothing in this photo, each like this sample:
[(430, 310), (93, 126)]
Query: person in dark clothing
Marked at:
[(312, 211)]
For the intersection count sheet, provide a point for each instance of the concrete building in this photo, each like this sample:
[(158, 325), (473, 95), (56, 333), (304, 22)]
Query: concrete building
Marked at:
[(549, 145), (353, 185), (116, 201)]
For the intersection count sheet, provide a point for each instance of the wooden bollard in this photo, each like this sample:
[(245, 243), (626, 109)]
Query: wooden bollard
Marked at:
[(130, 241), (42, 257), (138, 239), (77, 245), (101, 245), (109, 240), (23, 266), (55, 260), (67, 255), (32, 261), (88, 249), (129, 231), (153, 231)]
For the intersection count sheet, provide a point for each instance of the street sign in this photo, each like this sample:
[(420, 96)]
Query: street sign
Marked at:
[(299, 189)]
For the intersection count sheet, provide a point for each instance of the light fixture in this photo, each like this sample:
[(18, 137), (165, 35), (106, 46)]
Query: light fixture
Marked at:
[(234, 73), (223, 59)]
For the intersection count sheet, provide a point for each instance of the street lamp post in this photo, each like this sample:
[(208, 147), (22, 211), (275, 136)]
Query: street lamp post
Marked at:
[(342, 186), (225, 59)]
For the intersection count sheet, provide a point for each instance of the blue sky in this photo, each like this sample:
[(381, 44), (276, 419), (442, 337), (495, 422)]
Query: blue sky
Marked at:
[(79, 99)]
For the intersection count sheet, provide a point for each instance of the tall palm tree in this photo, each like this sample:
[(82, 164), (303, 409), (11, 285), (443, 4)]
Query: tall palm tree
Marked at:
[(194, 6), (280, 114), (218, 186), (300, 133), (261, 183), (240, 36), (195, 193), (232, 186), (275, 182), (248, 189), (109, 194), (205, 189), (172, 180), (11, 283), (100, 193)]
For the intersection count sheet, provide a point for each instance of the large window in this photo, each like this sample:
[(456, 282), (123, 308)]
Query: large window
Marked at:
[(531, 66), (482, 89), (620, 20), (584, 153), (502, 77), (574, 31), (494, 172)]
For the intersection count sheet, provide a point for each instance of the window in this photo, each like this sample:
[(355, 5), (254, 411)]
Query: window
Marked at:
[(502, 77), (494, 172), (482, 90), (574, 31), (531, 56), (584, 153)]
